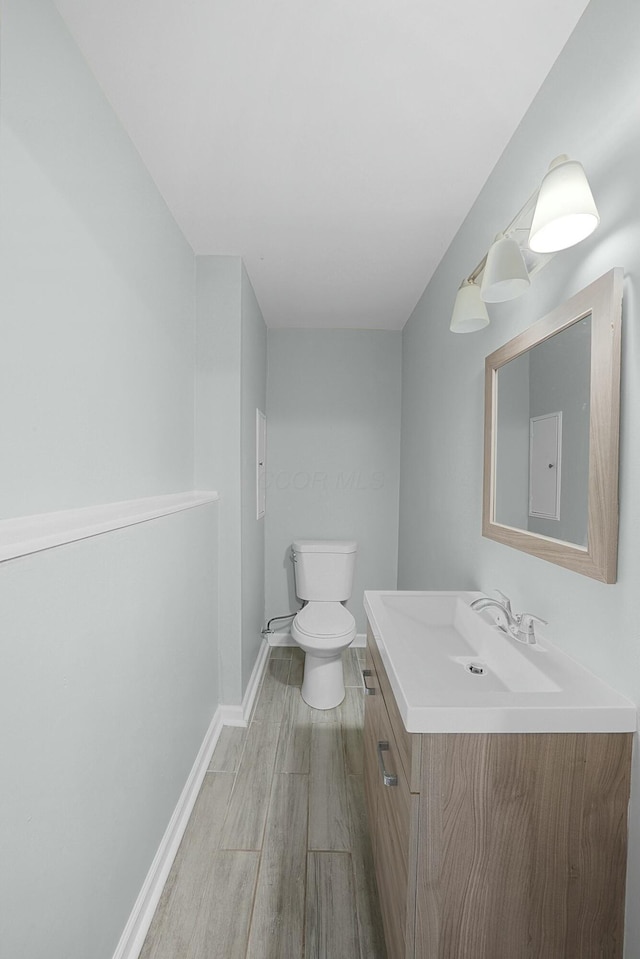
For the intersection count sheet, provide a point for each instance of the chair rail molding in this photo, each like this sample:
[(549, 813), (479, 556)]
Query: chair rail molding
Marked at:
[(31, 534)]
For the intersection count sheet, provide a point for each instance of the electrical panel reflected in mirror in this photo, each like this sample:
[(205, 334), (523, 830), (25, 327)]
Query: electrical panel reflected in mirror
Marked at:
[(542, 437), (552, 398)]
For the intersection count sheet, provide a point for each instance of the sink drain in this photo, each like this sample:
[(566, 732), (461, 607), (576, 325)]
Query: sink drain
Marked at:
[(476, 669)]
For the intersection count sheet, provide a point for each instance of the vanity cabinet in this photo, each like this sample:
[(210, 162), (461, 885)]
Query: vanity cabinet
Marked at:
[(495, 845), (390, 810)]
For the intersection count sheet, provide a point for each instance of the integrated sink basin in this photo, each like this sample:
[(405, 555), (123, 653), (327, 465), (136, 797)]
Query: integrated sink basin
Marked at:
[(453, 670)]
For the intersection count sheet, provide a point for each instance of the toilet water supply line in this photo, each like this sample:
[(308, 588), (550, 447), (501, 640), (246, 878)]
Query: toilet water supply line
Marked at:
[(267, 631)]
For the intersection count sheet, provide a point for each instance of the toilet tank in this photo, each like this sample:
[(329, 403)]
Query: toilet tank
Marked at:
[(324, 569)]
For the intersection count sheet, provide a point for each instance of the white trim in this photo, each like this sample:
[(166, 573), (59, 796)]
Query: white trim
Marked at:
[(253, 686), (283, 638), (31, 534), (137, 926), (240, 715), (535, 466), (286, 639), (233, 716)]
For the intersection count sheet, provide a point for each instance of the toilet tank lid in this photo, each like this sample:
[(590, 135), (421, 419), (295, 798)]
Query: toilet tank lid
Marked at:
[(325, 546)]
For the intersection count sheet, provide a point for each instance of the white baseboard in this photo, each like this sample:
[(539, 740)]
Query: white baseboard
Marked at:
[(135, 931), (240, 715), (137, 927), (286, 639), (283, 638), (233, 716)]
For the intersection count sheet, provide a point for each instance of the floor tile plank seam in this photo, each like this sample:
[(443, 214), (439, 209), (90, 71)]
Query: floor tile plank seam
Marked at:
[(256, 702), (306, 872), (218, 846), (331, 852), (262, 856), (265, 676), (357, 908), (266, 818), (253, 900), (241, 849), (233, 797), (290, 662), (306, 875), (281, 652), (233, 773), (268, 810), (338, 852), (271, 789)]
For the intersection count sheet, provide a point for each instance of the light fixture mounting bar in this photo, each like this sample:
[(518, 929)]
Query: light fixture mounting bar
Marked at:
[(519, 229)]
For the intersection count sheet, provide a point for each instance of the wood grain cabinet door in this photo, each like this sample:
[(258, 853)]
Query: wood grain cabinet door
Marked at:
[(523, 846), (392, 842), (373, 703)]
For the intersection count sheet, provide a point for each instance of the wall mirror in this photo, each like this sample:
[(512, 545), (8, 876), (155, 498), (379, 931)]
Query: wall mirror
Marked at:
[(552, 404)]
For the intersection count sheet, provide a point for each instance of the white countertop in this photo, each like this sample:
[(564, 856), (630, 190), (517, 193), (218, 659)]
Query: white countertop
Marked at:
[(540, 688)]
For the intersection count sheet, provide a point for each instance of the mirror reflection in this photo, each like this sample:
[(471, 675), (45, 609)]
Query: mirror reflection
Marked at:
[(542, 442), (551, 416)]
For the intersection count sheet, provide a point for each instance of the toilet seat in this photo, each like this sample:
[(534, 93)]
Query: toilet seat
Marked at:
[(325, 620)]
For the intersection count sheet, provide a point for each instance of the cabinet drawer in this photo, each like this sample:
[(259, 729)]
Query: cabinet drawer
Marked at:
[(408, 744)]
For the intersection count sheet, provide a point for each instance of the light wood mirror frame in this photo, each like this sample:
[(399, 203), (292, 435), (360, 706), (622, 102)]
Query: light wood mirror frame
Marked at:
[(602, 301)]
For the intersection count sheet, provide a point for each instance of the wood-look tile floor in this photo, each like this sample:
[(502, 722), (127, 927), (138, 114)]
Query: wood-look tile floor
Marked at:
[(276, 861)]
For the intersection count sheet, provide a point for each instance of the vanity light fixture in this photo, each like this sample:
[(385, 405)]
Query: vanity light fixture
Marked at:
[(505, 274), (469, 312), (565, 212), (557, 216)]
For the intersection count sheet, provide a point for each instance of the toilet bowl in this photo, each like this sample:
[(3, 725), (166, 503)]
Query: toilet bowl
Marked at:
[(323, 630), (324, 627)]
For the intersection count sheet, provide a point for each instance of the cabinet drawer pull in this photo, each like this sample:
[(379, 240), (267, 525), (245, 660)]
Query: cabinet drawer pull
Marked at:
[(368, 690), (389, 779)]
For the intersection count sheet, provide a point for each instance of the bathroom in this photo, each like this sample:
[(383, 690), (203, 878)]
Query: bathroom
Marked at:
[(117, 649)]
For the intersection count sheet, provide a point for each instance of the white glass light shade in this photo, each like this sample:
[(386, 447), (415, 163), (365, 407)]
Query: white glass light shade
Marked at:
[(469, 312), (565, 211), (505, 275)]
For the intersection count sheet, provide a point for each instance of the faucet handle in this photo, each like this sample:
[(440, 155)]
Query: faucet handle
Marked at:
[(505, 600), (526, 632)]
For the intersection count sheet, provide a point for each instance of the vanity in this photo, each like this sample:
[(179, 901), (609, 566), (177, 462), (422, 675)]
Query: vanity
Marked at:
[(497, 783)]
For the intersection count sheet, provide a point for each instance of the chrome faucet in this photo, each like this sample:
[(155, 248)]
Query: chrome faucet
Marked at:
[(505, 606), (519, 626)]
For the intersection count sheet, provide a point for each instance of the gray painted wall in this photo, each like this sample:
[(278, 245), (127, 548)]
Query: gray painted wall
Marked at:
[(217, 449), (108, 646), (588, 109), (96, 287), (230, 384), (108, 684), (253, 396), (333, 405)]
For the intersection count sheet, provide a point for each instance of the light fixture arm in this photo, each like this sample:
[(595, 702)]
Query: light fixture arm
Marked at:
[(526, 208)]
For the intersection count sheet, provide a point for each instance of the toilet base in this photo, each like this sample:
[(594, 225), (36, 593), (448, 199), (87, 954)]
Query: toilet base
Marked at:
[(323, 682)]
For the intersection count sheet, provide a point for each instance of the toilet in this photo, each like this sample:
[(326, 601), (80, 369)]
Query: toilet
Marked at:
[(323, 627)]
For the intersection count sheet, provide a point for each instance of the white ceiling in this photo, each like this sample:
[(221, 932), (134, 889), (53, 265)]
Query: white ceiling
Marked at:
[(336, 145)]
